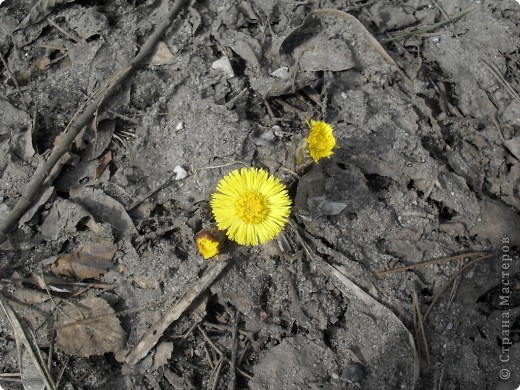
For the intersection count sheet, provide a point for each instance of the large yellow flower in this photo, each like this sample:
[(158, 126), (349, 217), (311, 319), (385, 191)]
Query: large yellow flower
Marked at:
[(321, 140), (251, 205)]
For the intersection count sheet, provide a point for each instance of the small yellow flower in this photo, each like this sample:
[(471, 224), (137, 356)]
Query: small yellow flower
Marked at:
[(251, 205), (321, 141), (208, 244)]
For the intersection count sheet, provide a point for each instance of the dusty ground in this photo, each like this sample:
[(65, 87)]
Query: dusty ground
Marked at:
[(424, 99)]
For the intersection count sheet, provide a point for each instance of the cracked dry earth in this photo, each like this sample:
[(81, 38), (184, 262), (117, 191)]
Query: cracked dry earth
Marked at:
[(424, 97)]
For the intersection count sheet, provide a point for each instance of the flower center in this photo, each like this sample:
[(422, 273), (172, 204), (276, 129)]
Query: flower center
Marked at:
[(318, 143), (251, 207)]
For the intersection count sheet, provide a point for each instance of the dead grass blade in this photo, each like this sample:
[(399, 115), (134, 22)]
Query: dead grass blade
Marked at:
[(429, 27), (419, 326), (29, 343), (455, 286), (155, 332), (431, 262)]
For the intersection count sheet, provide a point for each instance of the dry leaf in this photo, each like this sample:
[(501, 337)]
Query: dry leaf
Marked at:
[(101, 335), (145, 282), (65, 218), (162, 354), (101, 138), (244, 45), (87, 261), (30, 297), (319, 46), (195, 20), (44, 197), (104, 208), (29, 374), (39, 11), (12, 118), (62, 265)]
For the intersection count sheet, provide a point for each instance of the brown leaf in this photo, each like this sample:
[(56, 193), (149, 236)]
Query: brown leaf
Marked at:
[(101, 335), (62, 265), (87, 261), (30, 297)]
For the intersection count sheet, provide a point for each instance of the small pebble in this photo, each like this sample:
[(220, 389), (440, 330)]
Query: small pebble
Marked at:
[(224, 65), (180, 173), (281, 73), (354, 372)]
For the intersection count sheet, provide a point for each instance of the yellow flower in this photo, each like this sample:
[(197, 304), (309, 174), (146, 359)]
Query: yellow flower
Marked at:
[(208, 244), (251, 205), (321, 140)]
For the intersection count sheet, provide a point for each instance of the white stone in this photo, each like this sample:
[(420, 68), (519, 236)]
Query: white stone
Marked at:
[(224, 65)]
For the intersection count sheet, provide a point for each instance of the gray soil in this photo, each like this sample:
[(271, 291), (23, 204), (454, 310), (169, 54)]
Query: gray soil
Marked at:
[(428, 167)]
